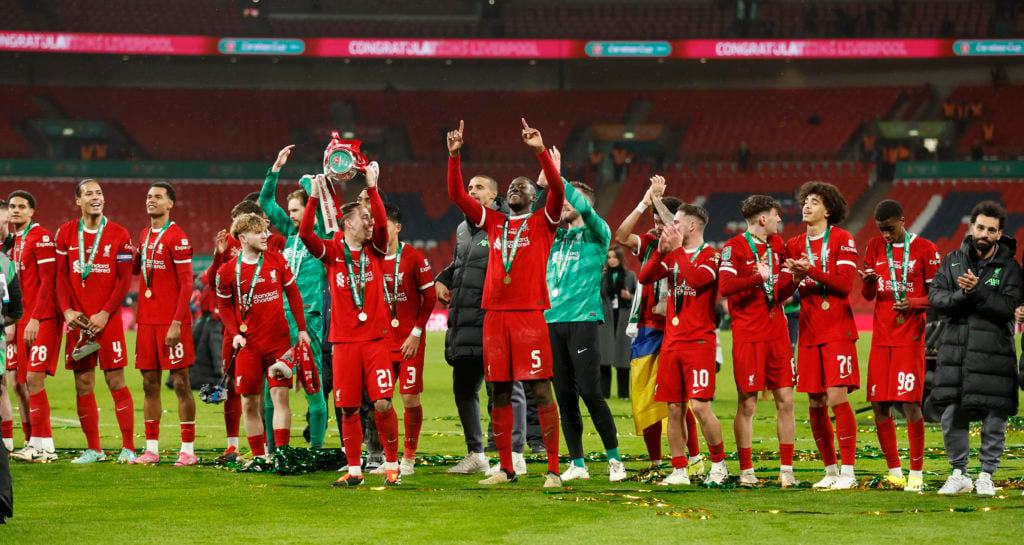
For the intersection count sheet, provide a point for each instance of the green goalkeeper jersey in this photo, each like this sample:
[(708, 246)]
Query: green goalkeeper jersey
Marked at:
[(576, 264)]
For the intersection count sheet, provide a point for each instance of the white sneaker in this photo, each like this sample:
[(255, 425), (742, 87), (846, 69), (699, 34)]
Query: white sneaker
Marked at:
[(983, 485), (677, 477), (956, 483), (718, 474), (552, 480), (575, 472), (616, 471), (695, 466), (831, 474), (474, 462), (518, 463), (379, 470), (844, 482), (33, 454), (787, 479), (407, 467), (748, 478)]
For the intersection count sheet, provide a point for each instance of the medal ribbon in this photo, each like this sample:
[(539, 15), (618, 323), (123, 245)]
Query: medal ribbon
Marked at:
[(392, 296), (564, 263), (19, 250), (641, 302), (899, 289), (245, 301), (508, 256), (357, 296), (297, 250), (84, 267), (147, 262), (677, 298), (768, 285), (824, 262)]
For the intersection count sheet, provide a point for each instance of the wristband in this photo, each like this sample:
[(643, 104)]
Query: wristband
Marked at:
[(417, 332), (641, 208)]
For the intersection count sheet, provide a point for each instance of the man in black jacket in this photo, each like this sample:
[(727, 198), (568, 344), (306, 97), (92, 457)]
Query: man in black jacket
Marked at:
[(461, 286), (976, 292)]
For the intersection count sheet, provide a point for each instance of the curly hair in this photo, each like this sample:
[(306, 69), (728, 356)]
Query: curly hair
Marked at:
[(991, 209), (248, 223), (834, 201)]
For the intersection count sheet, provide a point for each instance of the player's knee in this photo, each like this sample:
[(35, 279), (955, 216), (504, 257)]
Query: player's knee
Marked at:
[(382, 405), (410, 400)]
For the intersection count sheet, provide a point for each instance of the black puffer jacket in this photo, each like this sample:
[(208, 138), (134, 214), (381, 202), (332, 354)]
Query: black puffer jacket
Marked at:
[(977, 363), (465, 278)]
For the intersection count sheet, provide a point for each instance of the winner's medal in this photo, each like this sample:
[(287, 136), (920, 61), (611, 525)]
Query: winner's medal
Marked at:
[(362, 316), (245, 301), (824, 263), (679, 290), (243, 328), (508, 279), (391, 296), (509, 255), (357, 284), (394, 322), (675, 320), (149, 293), (85, 267), (148, 258), (899, 289)]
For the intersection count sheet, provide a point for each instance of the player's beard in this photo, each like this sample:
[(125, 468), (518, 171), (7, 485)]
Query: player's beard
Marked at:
[(982, 245)]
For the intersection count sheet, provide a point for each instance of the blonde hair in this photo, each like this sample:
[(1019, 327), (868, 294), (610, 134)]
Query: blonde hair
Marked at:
[(248, 223)]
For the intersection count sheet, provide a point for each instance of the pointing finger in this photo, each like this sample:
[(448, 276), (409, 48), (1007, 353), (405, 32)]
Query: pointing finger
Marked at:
[(525, 126), (462, 126)]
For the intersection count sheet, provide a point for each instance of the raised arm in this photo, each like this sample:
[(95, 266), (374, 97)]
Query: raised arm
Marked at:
[(379, 237), (317, 248), (591, 219), (654, 270), (291, 290), (697, 275), (556, 189), (456, 188), (268, 193)]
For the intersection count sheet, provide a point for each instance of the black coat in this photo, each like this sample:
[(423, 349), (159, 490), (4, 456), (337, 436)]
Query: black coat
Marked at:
[(464, 277), (977, 362)]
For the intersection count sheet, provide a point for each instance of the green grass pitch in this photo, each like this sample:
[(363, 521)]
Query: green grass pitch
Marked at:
[(109, 503)]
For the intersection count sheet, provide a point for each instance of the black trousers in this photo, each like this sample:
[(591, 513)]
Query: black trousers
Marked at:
[(577, 374)]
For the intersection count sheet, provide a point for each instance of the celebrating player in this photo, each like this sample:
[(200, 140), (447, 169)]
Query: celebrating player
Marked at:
[(898, 271), (12, 313), (164, 339), (249, 292), (516, 341), (762, 356), (360, 326), (94, 272), (686, 371), (310, 276), (38, 332), (574, 283), (647, 326), (827, 353), (410, 296)]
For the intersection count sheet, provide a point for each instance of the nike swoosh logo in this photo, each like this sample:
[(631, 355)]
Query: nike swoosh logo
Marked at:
[(33, 410), (119, 409), (582, 351), (954, 265), (847, 437), (698, 391), (37, 364), (535, 371)]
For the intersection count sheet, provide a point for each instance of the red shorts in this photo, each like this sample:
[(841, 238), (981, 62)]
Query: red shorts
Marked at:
[(11, 356), (830, 365), (763, 364), (111, 355), (251, 368), (409, 372), (362, 365), (896, 373), (516, 346), (152, 354), (41, 357), (686, 371)]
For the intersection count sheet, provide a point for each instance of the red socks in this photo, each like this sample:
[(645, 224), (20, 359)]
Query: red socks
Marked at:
[(387, 427), (188, 432), (692, 437), (7, 429), (152, 429), (821, 429), (886, 431), (257, 444), (717, 452), (652, 438), (846, 429), (282, 437), (232, 414), (549, 428), (413, 419), (915, 432), (352, 439), (746, 456), (680, 462), (786, 454), (124, 408), (502, 421), (39, 414), (88, 415)]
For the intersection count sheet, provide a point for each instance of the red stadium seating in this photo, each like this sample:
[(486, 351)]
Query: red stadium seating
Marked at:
[(1001, 104)]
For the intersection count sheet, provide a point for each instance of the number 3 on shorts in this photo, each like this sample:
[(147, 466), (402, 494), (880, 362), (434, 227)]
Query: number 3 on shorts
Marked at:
[(535, 356)]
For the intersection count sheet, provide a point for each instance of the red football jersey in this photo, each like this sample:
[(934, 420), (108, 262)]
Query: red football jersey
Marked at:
[(819, 325), (109, 277), (345, 323), (528, 289), (888, 328), (169, 266), (647, 316), (752, 319), (265, 321), (33, 253), (695, 282), (415, 299)]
